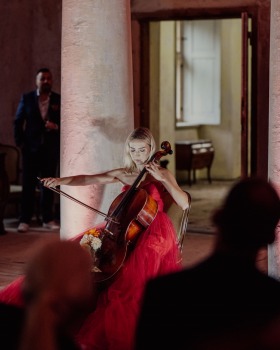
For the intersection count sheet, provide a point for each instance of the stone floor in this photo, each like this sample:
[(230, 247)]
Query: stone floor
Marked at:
[(16, 248)]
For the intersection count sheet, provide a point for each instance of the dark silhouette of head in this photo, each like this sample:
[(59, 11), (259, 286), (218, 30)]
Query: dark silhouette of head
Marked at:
[(249, 215)]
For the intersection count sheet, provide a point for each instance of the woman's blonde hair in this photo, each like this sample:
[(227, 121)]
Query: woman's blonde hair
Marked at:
[(143, 134)]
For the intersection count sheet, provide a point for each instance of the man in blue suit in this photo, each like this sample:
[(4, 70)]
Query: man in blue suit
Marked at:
[(37, 133)]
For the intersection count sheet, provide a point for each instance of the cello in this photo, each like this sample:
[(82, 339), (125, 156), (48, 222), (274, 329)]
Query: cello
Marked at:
[(130, 213)]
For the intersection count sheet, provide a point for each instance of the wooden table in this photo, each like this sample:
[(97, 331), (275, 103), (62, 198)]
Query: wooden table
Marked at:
[(194, 155)]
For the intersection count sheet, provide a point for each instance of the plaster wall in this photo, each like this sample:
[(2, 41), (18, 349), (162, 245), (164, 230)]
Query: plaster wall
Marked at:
[(30, 37)]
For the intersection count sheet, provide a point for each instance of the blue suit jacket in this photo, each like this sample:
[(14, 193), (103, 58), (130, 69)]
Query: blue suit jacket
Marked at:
[(29, 127)]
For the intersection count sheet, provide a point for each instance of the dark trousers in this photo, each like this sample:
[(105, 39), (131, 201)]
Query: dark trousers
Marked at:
[(40, 163)]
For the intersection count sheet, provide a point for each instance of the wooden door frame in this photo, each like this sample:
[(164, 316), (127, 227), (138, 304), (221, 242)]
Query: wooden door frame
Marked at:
[(142, 12), (244, 96)]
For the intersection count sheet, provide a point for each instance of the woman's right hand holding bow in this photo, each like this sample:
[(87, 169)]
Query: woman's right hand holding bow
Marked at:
[(51, 181)]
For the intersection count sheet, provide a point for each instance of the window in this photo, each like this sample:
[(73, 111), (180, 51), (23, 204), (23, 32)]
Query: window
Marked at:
[(198, 76)]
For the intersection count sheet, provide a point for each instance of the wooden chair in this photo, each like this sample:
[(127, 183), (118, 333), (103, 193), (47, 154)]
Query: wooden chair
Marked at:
[(4, 191), (178, 216), (13, 170), (12, 167)]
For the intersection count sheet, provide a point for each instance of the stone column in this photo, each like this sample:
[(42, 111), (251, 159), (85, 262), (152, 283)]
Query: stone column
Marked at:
[(97, 103), (274, 127)]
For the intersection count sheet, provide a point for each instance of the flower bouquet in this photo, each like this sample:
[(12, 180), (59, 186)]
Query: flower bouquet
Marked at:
[(92, 242)]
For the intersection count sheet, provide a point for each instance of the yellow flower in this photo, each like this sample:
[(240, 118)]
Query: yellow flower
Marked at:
[(93, 231)]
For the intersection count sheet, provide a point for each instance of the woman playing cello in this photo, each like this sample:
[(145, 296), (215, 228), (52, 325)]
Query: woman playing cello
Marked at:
[(112, 324)]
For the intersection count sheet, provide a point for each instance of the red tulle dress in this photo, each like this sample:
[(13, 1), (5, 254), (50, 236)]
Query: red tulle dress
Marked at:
[(111, 325)]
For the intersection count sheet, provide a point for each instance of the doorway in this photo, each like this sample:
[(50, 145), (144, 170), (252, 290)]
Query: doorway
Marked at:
[(144, 13), (224, 129)]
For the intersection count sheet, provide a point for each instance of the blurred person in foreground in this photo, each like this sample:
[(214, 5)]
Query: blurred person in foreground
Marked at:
[(57, 291), (225, 301)]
